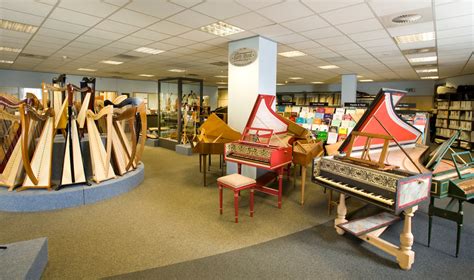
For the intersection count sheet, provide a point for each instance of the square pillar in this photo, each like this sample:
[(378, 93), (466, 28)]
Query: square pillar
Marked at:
[(348, 88)]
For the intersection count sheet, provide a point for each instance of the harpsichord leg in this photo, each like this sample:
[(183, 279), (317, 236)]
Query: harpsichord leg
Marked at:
[(303, 182), (406, 256), (341, 214)]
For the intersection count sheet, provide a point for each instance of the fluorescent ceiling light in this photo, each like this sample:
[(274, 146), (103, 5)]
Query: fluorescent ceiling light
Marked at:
[(146, 75), (328, 67), (423, 59), (8, 49), (221, 29), (317, 82), (6, 61), (429, 78), (292, 54), (221, 76), (280, 84), (360, 76), (113, 62), (87, 69), (295, 78), (420, 37), (177, 70), (148, 50), (428, 70), (366, 80), (17, 26)]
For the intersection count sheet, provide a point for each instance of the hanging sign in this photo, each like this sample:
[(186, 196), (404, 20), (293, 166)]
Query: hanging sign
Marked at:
[(356, 105), (319, 104), (406, 105), (242, 57)]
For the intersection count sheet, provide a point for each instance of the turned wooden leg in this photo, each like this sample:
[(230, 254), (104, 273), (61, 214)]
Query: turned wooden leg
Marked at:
[(251, 202), (220, 199), (303, 182), (407, 256), (341, 214), (236, 206)]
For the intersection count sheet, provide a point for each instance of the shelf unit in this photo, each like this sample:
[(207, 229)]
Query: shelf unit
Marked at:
[(455, 111)]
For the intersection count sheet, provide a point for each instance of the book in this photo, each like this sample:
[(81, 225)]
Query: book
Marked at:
[(332, 137)]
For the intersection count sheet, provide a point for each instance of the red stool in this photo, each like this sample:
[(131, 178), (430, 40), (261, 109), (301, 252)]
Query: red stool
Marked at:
[(237, 183)]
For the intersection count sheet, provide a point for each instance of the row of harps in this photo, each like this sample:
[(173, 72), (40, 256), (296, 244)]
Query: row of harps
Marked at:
[(28, 128)]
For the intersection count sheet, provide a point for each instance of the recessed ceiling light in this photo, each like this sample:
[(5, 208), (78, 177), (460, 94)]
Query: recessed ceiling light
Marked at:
[(113, 62), (87, 69), (427, 70), (148, 50), (8, 49), (221, 76), (146, 75), (420, 37), (366, 80), (221, 29), (408, 18), (17, 26), (177, 70), (280, 84), (6, 61), (292, 54), (317, 82), (429, 78), (328, 67), (360, 76), (295, 78), (423, 59)]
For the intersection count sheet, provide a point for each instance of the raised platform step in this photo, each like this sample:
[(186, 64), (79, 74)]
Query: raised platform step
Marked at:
[(24, 260), (368, 224)]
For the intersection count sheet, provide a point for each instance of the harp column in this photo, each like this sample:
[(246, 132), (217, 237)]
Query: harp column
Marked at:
[(252, 71)]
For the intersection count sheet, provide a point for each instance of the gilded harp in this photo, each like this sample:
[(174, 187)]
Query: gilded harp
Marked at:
[(128, 150), (38, 169), (100, 156), (73, 171)]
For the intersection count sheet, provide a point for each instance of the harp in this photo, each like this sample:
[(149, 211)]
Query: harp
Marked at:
[(128, 150), (10, 134), (100, 157), (73, 171), (38, 170), (88, 97), (59, 93)]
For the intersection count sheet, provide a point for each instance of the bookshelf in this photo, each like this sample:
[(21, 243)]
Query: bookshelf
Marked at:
[(455, 111)]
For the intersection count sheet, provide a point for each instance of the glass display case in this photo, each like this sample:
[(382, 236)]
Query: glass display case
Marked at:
[(180, 105)]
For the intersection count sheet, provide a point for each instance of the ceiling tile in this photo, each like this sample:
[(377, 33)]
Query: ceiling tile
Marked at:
[(290, 38), (135, 41), (118, 27), (254, 5), (28, 7), (360, 26), (322, 33), (304, 45), (285, 11), (320, 6), (377, 42), (334, 41), (370, 35), (418, 45), (411, 29), (197, 35), (192, 19), (156, 8), (108, 35), (187, 3), (454, 22), (119, 3), (348, 14), (74, 17), (133, 18), (387, 7), (162, 46), (150, 35), (220, 9), (249, 21), (455, 9), (462, 31), (272, 30), (178, 41), (64, 26), (305, 24), (56, 33), (169, 27), (94, 7), (20, 17)]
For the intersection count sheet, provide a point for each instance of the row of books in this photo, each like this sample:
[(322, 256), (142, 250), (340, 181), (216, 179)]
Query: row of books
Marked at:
[(456, 105)]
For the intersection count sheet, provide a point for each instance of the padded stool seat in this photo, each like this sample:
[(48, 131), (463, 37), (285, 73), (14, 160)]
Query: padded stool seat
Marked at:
[(236, 182)]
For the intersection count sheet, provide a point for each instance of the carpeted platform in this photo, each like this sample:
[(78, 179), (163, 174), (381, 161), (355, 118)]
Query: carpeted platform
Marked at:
[(319, 253)]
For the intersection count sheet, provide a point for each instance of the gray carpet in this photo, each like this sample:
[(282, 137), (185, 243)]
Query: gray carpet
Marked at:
[(319, 253)]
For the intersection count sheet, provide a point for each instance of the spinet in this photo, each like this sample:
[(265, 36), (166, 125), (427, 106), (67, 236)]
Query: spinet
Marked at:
[(214, 134), (384, 175), (266, 143)]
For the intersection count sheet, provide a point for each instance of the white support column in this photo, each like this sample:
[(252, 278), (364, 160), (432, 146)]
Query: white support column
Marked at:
[(246, 82), (348, 88)]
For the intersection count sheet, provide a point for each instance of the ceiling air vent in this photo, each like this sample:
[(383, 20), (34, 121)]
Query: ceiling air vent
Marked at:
[(408, 18), (419, 51), (219, 63), (126, 56), (29, 55)]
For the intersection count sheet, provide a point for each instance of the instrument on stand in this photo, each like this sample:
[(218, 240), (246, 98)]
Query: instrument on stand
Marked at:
[(266, 143), (375, 167), (214, 134), (304, 152)]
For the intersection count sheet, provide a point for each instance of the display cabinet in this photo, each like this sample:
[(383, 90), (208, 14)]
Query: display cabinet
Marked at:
[(180, 107)]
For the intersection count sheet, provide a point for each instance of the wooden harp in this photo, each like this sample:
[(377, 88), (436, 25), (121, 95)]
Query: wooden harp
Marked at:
[(100, 157), (38, 170), (128, 150), (59, 93), (73, 171)]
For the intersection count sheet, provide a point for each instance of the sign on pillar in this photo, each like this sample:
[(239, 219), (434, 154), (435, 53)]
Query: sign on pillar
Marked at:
[(252, 71)]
